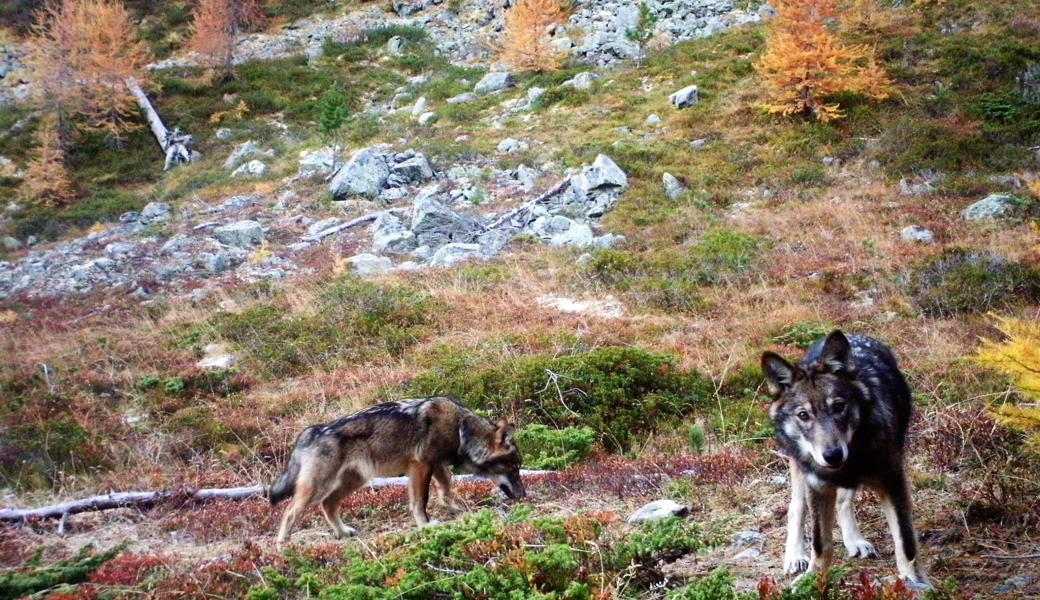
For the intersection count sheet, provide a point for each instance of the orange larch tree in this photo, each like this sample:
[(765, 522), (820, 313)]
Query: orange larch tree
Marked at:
[(47, 178), (215, 26), (805, 64), (114, 55), (81, 53), (526, 44)]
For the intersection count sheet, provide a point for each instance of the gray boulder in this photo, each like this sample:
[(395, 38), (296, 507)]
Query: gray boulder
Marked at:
[(575, 234), (239, 202), (495, 81), (416, 169), (244, 152), (529, 102), (419, 107), (453, 254), (390, 235), (914, 233), (427, 118), (462, 98), (581, 81), (367, 265), (214, 262), (435, 225), (318, 227), (318, 162), (658, 510), (527, 177), (685, 98), (119, 250), (217, 356), (511, 145), (991, 207), (602, 173), (909, 187), (395, 45), (242, 234), (155, 212), (253, 168), (407, 8), (364, 175), (673, 187)]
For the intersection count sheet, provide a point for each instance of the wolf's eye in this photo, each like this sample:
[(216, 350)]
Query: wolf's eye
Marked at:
[(838, 406), (803, 415)]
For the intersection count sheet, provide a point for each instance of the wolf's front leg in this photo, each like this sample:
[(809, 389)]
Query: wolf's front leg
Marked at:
[(442, 477), (851, 536), (419, 477), (897, 507), (795, 558), (821, 503)]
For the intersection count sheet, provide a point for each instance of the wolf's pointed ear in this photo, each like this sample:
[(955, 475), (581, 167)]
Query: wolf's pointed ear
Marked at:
[(779, 373), (836, 354), (505, 433)]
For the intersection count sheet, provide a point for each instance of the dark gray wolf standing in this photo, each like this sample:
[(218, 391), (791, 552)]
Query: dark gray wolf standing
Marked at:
[(422, 438), (841, 417)]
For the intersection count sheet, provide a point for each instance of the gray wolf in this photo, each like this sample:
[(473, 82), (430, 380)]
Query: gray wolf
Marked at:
[(841, 417), (422, 438)]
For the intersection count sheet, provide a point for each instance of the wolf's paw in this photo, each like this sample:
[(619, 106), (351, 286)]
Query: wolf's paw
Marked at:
[(431, 523), (348, 531), (861, 548), (794, 565)]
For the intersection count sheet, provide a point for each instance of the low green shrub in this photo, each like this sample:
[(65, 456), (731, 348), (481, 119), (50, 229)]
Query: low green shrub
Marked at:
[(622, 393), (717, 585), (484, 556), (960, 281), (801, 335), (335, 109), (21, 583), (36, 454), (554, 449)]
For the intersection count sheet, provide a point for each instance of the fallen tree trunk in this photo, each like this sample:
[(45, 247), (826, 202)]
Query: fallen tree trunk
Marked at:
[(176, 145), (324, 233), (150, 499), (525, 208)]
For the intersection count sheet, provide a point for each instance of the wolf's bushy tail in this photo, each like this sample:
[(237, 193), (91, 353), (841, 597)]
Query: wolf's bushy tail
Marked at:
[(285, 486)]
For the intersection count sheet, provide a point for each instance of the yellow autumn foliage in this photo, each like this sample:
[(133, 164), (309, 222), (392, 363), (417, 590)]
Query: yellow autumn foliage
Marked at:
[(526, 44), (805, 63), (1017, 356)]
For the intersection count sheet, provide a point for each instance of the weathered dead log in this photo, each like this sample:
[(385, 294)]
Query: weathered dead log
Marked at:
[(175, 144), (527, 206), (143, 500), (324, 233)]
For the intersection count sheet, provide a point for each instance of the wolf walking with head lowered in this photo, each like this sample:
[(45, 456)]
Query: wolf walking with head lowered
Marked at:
[(421, 438), (841, 417)]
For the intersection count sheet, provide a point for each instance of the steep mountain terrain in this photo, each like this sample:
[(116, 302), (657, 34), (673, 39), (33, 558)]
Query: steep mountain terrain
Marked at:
[(601, 253)]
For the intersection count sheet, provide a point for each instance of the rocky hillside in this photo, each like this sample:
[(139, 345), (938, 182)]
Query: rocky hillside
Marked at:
[(600, 253)]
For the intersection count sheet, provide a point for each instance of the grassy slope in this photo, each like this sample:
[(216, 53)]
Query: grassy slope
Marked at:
[(709, 285)]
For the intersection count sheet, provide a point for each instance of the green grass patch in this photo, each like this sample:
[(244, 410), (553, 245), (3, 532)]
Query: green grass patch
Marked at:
[(353, 320)]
